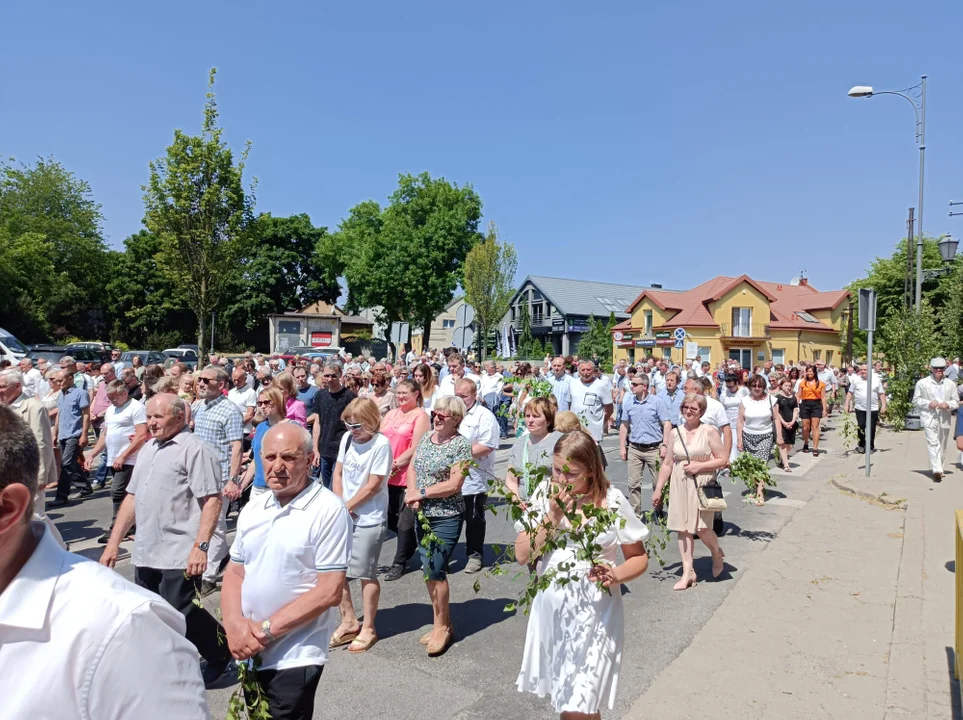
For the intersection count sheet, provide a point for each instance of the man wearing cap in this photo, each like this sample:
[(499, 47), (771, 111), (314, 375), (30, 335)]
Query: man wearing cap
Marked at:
[(936, 397)]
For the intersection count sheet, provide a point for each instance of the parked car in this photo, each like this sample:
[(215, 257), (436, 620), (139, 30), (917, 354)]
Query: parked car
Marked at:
[(188, 346), (147, 357), (100, 349), (183, 355), (10, 348), (308, 351), (53, 353)]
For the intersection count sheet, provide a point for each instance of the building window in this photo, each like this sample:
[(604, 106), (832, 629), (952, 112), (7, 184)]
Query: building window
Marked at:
[(289, 327), (778, 356), (741, 322), (667, 353), (537, 314), (829, 357), (704, 354), (817, 354), (648, 322), (448, 324)]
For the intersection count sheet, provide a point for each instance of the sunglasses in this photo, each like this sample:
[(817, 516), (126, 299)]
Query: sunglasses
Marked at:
[(328, 377), (206, 381), (264, 403), (689, 408), (439, 416), (638, 385), (353, 426)]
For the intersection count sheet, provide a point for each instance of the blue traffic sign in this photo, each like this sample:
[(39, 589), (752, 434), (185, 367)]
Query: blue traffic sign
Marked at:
[(679, 344), (679, 335)]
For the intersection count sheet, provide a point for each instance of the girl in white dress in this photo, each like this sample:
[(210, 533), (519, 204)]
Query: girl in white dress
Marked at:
[(573, 647)]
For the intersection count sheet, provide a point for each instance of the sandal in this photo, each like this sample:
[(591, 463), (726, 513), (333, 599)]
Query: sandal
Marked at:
[(436, 650), (341, 640), (359, 646), (427, 636)]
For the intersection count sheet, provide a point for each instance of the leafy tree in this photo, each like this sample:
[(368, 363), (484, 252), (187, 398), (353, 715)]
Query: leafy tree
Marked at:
[(490, 281), (525, 340), (407, 258), (196, 204), (281, 272), (908, 340), (145, 308), (597, 340), (53, 259)]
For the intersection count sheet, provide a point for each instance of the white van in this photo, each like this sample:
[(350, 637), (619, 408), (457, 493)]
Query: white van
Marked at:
[(10, 348)]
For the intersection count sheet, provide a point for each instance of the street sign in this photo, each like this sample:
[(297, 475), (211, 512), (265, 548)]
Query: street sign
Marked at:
[(679, 334), (464, 316), (867, 309), (617, 335), (399, 332), (463, 337), (679, 344)]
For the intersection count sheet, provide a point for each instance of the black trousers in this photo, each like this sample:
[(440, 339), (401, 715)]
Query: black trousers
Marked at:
[(861, 428), (401, 521), (290, 693), (71, 473), (475, 524), (119, 480), (180, 591)]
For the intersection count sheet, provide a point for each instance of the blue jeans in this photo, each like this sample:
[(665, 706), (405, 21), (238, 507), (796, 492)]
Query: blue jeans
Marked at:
[(435, 561), (327, 470), (100, 477)]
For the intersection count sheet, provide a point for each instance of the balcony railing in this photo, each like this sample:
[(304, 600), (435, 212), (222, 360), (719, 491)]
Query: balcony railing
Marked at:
[(746, 330), (537, 321)]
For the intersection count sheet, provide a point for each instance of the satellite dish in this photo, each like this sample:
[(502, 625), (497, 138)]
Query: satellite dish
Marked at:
[(794, 281)]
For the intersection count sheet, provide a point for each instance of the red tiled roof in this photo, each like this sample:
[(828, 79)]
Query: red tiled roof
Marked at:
[(691, 307)]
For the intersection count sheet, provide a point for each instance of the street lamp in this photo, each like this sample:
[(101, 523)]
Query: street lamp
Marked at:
[(865, 91), (948, 247)]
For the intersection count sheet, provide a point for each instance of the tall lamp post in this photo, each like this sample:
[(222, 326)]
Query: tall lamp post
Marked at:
[(864, 91)]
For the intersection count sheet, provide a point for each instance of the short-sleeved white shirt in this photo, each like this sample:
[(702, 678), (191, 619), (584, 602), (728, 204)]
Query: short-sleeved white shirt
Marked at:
[(359, 461), (244, 399), (588, 403), (446, 388), (121, 424), (480, 426), (857, 386), (283, 549)]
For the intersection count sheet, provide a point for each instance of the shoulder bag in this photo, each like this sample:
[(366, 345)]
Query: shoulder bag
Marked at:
[(710, 495)]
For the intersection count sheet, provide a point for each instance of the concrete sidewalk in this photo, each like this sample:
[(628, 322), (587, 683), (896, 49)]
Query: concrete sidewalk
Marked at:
[(847, 614)]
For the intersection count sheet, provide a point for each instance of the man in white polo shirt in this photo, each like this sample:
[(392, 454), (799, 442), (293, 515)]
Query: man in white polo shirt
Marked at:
[(480, 428), (288, 565), (85, 625), (456, 372)]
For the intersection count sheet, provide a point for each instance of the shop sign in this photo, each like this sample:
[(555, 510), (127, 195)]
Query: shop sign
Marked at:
[(645, 342), (663, 334), (623, 343), (665, 342), (320, 339), (578, 326)]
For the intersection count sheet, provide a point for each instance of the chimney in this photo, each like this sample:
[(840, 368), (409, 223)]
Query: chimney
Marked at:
[(804, 281)]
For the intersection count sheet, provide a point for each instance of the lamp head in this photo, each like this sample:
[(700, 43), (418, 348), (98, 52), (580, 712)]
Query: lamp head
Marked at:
[(860, 91), (948, 247)]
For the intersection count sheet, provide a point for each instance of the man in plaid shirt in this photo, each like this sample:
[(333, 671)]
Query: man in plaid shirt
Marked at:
[(219, 423)]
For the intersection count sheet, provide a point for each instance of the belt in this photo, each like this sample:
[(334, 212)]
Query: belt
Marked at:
[(644, 446)]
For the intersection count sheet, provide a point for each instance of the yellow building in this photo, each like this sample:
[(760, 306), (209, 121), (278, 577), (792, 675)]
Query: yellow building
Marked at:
[(748, 320)]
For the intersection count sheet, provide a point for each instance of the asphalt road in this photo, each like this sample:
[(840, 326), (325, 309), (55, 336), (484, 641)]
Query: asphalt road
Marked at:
[(476, 677)]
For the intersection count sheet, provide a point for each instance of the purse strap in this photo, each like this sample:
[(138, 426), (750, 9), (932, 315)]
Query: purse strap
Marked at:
[(682, 440)]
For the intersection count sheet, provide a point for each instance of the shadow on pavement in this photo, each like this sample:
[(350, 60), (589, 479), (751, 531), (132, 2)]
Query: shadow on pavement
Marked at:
[(733, 530), (468, 617), (79, 530), (954, 685)]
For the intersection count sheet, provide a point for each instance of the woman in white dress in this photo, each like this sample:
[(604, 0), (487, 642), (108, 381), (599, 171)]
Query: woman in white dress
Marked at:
[(731, 395), (573, 647)]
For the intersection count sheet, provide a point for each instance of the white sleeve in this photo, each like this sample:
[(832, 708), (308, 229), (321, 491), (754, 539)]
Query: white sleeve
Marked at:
[(632, 529), (381, 465), (161, 665), (333, 542), (251, 399), (489, 432), (138, 414)]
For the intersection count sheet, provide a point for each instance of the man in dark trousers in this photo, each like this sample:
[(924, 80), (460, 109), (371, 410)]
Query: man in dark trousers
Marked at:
[(325, 419)]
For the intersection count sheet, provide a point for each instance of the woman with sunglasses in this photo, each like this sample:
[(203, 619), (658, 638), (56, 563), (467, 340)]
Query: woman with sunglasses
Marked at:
[(381, 393), (756, 428), (361, 480), (812, 407), (696, 454), (270, 406), (731, 395), (404, 427), (51, 401), (435, 477)]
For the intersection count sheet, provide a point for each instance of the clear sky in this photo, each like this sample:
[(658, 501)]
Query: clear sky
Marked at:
[(633, 142)]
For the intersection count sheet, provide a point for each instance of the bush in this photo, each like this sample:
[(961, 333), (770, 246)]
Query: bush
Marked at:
[(161, 340)]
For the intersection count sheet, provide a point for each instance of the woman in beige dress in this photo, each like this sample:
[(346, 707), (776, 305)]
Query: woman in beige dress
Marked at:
[(696, 455)]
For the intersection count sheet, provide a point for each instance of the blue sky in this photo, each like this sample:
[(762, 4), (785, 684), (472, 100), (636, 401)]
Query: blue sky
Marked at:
[(633, 142)]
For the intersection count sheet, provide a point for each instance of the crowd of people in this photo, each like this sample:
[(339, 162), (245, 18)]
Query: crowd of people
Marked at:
[(322, 461)]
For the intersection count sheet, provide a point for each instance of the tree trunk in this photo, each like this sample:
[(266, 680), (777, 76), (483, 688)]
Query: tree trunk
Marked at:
[(482, 339), (202, 330), (425, 334)]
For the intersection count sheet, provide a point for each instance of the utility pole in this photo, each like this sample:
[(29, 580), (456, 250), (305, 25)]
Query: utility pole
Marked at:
[(908, 280), (919, 207)]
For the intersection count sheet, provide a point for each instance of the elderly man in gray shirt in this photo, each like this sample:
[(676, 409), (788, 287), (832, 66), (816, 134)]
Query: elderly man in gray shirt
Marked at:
[(175, 496)]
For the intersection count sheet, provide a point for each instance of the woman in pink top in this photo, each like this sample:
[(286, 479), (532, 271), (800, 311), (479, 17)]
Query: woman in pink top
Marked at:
[(404, 427), (295, 410)]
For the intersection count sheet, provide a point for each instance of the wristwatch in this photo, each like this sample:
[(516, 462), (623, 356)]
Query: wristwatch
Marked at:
[(266, 629), (422, 491), (202, 546)]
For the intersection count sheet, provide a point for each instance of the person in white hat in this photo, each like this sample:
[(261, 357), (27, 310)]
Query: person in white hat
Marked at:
[(935, 397)]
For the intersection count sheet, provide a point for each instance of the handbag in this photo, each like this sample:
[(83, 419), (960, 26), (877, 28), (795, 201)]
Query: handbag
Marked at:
[(710, 494)]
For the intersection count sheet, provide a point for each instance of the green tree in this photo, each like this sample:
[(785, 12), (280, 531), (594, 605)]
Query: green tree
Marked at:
[(489, 282), (281, 272), (525, 341), (143, 300), (597, 340), (196, 204), (53, 260), (407, 258), (908, 340)]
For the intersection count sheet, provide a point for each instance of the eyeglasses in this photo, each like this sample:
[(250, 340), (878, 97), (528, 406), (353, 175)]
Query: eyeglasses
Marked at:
[(328, 377), (689, 408), (353, 426), (439, 416), (206, 381), (638, 384), (266, 381), (264, 403)]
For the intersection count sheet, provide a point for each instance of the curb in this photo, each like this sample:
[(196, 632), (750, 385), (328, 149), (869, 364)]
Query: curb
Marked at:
[(876, 499)]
